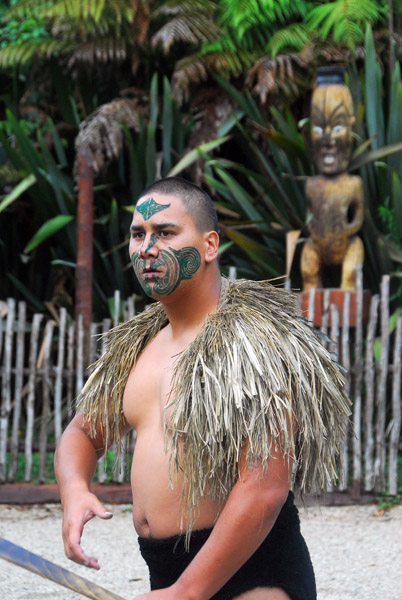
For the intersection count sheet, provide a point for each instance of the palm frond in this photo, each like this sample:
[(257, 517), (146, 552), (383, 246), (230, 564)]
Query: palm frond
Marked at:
[(74, 9), (102, 131), (103, 50), (189, 22), (184, 29)]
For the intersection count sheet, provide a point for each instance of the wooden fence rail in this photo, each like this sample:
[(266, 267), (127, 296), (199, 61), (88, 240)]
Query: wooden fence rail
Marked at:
[(42, 371)]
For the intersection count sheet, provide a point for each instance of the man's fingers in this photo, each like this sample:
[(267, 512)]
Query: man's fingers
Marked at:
[(75, 552), (98, 510), (73, 525), (106, 515)]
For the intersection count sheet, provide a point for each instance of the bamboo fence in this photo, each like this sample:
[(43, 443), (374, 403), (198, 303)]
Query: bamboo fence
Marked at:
[(42, 371)]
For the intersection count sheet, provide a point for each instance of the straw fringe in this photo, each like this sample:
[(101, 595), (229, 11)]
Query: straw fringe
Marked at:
[(255, 374)]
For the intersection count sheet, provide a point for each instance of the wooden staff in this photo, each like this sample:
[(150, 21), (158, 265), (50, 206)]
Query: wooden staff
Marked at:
[(28, 560)]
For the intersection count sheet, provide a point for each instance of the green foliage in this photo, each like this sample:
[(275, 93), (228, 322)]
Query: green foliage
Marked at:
[(344, 20), (294, 36), (49, 468), (265, 186), (74, 32), (48, 228), (37, 217), (241, 39), (251, 23), (15, 32), (378, 121), (20, 471), (386, 501)]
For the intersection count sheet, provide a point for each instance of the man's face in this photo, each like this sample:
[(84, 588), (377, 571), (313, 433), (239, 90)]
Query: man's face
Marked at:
[(165, 246), (331, 129)]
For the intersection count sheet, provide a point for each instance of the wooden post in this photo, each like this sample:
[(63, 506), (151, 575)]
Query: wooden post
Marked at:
[(380, 448), (31, 395), (19, 378), (83, 272), (59, 374), (102, 462), (369, 382), (70, 369), (345, 361), (396, 410), (80, 359), (47, 345), (6, 388), (334, 348), (358, 377), (325, 315)]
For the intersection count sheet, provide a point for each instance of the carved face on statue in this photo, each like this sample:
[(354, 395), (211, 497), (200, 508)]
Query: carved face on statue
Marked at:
[(332, 121)]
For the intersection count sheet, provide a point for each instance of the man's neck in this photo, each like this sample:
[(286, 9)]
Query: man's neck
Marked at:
[(188, 312)]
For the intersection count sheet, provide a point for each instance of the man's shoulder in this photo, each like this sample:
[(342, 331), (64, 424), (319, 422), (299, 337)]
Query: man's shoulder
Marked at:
[(264, 297)]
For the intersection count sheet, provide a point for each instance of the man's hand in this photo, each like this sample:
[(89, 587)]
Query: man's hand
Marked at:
[(79, 508)]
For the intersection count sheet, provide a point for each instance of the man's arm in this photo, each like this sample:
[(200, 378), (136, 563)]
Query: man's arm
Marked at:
[(75, 463), (248, 516)]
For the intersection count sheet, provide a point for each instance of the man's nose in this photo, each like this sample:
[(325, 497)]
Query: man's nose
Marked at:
[(149, 247)]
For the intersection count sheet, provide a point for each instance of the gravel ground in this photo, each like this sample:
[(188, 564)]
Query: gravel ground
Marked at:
[(356, 552)]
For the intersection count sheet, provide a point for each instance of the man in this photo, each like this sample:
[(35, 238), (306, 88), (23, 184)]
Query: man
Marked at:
[(229, 392)]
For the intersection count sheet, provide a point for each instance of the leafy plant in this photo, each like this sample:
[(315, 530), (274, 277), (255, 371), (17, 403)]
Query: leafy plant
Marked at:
[(378, 124), (264, 186), (37, 217)]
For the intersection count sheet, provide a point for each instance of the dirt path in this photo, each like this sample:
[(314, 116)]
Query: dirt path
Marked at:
[(356, 555)]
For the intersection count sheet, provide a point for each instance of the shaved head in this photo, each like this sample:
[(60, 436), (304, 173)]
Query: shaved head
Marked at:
[(196, 202)]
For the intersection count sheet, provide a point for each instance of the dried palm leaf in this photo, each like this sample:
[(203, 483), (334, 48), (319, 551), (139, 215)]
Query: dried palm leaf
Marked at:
[(102, 134), (256, 374)]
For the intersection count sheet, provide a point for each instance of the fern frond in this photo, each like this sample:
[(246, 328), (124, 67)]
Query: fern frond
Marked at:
[(103, 50), (191, 30), (244, 14), (186, 7), (73, 9), (189, 21), (195, 68), (344, 20), (291, 38), (26, 51), (188, 70)]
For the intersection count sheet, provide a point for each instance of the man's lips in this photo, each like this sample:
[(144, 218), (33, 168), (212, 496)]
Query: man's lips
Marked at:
[(150, 272)]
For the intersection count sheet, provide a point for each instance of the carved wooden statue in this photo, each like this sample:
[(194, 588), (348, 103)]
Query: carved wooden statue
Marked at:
[(334, 198)]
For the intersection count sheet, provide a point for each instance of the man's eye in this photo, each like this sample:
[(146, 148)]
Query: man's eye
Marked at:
[(165, 233), (137, 236)]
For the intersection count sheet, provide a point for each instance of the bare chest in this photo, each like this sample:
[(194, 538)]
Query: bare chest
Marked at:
[(149, 385)]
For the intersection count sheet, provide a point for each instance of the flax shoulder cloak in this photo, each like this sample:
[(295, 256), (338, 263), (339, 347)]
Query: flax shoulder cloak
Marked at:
[(256, 373)]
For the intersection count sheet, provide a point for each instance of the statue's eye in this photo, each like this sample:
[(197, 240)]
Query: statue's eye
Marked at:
[(317, 130), (337, 128)]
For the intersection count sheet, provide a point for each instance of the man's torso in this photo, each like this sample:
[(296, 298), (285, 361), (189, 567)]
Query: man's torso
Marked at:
[(157, 508)]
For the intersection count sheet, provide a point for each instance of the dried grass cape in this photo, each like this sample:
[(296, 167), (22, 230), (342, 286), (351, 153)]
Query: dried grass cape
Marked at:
[(254, 369)]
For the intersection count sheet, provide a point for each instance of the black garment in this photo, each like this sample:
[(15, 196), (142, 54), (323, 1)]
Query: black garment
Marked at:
[(281, 561)]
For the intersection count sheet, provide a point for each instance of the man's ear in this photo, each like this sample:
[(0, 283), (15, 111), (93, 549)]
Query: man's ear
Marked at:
[(211, 239)]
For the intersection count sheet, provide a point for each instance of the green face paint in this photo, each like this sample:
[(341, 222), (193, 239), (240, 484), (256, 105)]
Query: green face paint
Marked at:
[(148, 208), (152, 241), (166, 272)]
